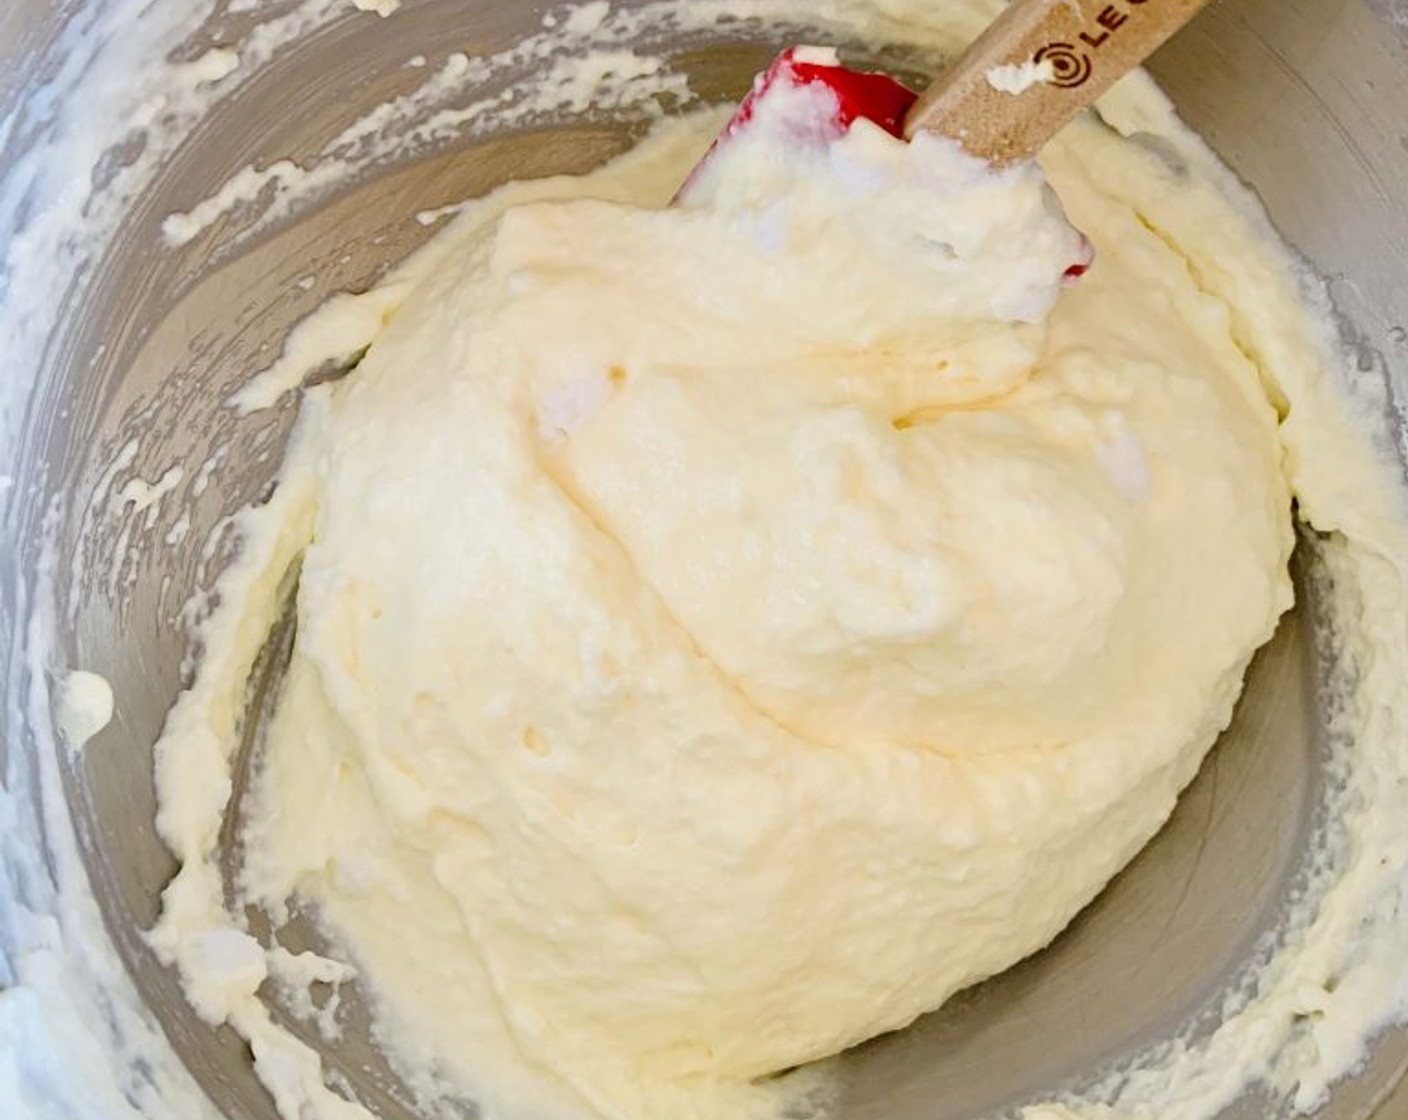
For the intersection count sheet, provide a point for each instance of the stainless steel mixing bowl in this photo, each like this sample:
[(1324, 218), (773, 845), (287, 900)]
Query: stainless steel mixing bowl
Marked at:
[(1306, 99)]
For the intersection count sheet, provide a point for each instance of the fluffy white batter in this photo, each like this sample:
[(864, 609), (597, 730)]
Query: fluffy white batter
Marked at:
[(725, 631), (78, 1037)]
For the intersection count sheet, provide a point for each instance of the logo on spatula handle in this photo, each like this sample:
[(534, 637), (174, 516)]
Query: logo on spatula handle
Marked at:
[(1069, 67)]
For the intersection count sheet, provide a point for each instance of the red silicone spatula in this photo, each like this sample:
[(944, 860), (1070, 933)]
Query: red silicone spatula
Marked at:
[(1036, 66)]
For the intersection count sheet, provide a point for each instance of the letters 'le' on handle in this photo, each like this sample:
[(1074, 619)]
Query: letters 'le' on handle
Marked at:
[(1039, 64)]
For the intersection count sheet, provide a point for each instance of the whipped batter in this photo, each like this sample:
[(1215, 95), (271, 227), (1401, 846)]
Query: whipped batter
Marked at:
[(718, 627), (726, 630)]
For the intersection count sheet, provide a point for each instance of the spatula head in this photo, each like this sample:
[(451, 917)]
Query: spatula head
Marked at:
[(858, 95)]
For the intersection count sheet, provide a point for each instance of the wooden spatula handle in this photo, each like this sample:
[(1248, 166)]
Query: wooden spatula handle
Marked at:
[(1081, 46)]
